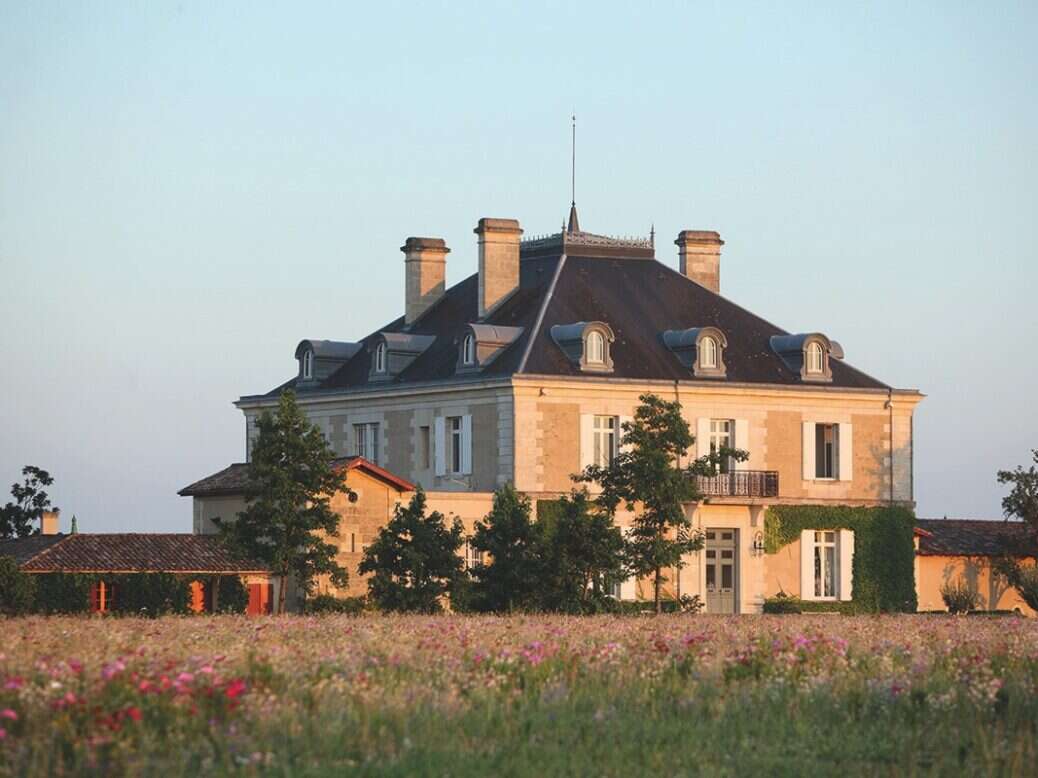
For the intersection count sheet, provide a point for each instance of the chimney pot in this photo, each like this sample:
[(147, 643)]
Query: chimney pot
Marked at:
[(49, 524), (425, 272), (699, 257), (498, 261)]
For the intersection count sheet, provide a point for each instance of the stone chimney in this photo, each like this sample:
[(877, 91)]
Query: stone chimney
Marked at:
[(498, 261), (699, 257), (425, 270), (49, 524)]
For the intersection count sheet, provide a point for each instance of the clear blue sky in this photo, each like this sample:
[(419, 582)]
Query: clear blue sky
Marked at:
[(186, 191)]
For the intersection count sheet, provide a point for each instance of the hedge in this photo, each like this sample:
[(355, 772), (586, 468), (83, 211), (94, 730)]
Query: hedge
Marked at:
[(884, 553)]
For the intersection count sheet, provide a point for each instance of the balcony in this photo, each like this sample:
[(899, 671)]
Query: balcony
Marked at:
[(740, 483)]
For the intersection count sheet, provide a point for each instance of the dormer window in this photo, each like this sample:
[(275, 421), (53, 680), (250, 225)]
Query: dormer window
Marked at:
[(308, 365), (807, 355), (586, 344), (468, 350), (708, 357), (699, 349), (318, 359), (815, 363), (380, 358), (594, 348)]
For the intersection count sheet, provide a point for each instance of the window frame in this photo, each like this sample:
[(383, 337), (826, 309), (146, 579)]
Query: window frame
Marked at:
[(425, 447), (308, 364), (366, 441), (708, 352), (590, 358), (716, 436), (827, 461), (380, 357), (825, 550), (455, 443), (600, 431), (468, 350), (814, 358)]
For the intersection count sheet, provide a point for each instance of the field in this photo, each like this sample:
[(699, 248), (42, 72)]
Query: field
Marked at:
[(521, 695)]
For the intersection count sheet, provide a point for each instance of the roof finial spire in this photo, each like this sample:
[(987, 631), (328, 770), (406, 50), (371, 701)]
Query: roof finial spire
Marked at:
[(652, 235), (574, 225)]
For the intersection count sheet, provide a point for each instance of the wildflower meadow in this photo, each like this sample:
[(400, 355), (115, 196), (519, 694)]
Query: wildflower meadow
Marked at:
[(518, 695)]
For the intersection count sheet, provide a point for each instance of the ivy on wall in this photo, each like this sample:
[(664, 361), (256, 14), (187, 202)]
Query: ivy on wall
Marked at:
[(136, 594), (884, 555)]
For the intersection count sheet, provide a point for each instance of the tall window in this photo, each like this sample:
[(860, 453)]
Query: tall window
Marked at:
[(468, 350), (721, 434), (454, 443), (827, 447), (825, 564), (473, 556), (366, 441), (308, 364), (594, 348), (604, 434), (708, 355), (424, 447), (380, 358), (815, 357)]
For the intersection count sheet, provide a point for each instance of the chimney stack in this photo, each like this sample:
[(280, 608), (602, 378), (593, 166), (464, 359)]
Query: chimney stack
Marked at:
[(49, 524), (425, 270), (498, 261), (699, 257)]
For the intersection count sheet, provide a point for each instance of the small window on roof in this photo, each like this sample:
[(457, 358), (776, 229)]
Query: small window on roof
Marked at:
[(308, 364), (708, 353), (594, 348), (815, 358), (468, 350), (380, 358)]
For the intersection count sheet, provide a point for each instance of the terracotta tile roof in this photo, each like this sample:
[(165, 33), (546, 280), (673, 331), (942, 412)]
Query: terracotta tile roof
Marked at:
[(975, 537), (130, 552), (234, 479), (24, 549)]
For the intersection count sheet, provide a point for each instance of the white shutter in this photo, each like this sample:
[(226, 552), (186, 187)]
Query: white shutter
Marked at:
[(587, 439), (440, 453), (742, 440), (702, 438), (809, 450), (846, 563), (807, 564), (466, 444), (846, 460), (620, 421)]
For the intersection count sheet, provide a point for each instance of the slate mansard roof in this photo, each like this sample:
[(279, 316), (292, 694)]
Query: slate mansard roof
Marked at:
[(627, 288)]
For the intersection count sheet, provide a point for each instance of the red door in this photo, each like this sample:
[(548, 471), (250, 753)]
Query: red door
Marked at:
[(260, 597)]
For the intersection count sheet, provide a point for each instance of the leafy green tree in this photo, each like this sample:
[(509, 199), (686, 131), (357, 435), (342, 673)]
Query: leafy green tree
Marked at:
[(580, 555), (1021, 502), (287, 515), (414, 560), (506, 581), (17, 589), (30, 501), (647, 476)]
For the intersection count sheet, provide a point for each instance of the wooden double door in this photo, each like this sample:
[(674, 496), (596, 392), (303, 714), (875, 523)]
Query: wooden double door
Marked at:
[(722, 570)]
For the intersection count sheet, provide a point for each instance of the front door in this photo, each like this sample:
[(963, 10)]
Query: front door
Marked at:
[(721, 547)]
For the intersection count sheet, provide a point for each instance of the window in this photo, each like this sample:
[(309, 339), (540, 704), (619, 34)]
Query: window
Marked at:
[(604, 436), (708, 355), (308, 364), (380, 358), (594, 348), (473, 556), (366, 441), (827, 447), (825, 565), (468, 350), (424, 447), (454, 443), (722, 432), (815, 358)]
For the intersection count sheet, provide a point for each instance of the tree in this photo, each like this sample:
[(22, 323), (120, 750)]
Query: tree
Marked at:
[(291, 478), (414, 560), (647, 475), (506, 582), (580, 555), (17, 589), (17, 518), (1022, 501)]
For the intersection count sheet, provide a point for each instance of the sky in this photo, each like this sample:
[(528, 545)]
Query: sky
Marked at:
[(187, 190)]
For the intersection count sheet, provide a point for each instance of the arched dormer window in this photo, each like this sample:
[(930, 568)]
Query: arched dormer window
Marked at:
[(586, 344), (468, 350), (308, 364), (380, 358), (814, 364), (594, 348), (699, 349)]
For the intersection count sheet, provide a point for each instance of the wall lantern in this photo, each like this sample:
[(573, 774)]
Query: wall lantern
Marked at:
[(758, 542)]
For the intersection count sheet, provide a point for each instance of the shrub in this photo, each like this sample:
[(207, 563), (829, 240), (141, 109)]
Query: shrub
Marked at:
[(149, 594), (17, 589), (959, 597), (783, 603), (232, 596), (328, 603), (63, 593), (1026, 585)]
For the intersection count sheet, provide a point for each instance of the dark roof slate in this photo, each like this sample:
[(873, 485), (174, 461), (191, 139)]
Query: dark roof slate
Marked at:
[(975, 537), (24, 549)]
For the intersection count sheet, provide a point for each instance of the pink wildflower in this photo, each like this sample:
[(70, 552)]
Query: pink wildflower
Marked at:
[(234, 688), (3, 733), (7, 713), (14, 682)]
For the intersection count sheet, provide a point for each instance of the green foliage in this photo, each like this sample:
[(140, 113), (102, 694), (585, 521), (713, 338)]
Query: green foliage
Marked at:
[(232, 596), (1023, 579), (959, 597), (689, 604), (580, 554), (647, 475), (17, 589), (1022, 501), (414, 559), (328, 603), (149, 594), (287, 510), (63, 593), (884, 554), (506, 581), (30, 501), (783, 603)]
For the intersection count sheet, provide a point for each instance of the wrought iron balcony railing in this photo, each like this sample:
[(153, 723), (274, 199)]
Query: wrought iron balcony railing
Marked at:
[(740, 483)]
